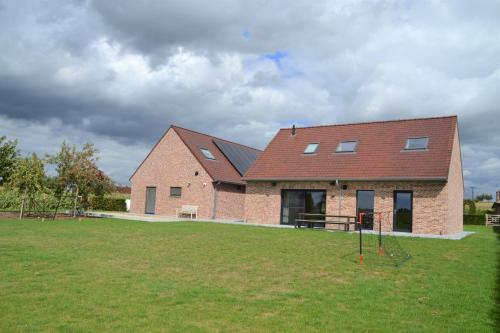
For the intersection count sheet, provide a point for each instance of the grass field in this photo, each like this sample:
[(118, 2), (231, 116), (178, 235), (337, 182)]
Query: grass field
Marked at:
[(103, 275)]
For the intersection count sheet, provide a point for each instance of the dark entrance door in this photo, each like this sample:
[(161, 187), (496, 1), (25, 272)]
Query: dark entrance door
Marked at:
[(150, 200), (294, 202), (365, 203), (403, 211)]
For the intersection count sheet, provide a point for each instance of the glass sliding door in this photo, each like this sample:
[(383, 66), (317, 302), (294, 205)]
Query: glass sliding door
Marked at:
[(365, 203), (403, 211), (294, 202)]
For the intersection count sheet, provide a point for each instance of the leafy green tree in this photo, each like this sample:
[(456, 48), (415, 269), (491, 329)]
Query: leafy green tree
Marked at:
[(78, 175), (484, 197), (8, 157), (470, 206), (27, 179)]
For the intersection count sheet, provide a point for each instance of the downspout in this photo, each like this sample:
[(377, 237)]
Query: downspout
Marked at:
[(340, 197), (214, 212)]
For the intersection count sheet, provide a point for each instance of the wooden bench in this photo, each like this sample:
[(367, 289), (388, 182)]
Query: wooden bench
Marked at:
[(187, 210), (311, 219)]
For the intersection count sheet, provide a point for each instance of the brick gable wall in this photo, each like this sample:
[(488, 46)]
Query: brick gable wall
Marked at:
[(172, 164), (455, 190), (430, 202)]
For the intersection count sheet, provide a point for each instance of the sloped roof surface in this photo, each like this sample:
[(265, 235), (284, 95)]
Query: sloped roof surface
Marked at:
[(240, 157), (380, 153), (229, 160)]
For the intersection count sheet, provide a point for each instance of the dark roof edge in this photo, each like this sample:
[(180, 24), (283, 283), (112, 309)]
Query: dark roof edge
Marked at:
[(192, 151), (373, 122), (214, 137), (439, 179), (152, 149), (242, 183)]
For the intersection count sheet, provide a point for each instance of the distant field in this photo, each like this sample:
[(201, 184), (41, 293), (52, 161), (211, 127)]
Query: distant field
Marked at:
[(104, 275), (482, 207)]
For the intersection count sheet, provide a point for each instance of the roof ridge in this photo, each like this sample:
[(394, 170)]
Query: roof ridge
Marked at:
[(373, 122), (214, 137)]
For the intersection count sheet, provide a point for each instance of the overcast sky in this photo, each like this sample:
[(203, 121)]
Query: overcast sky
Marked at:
[(118, 73)]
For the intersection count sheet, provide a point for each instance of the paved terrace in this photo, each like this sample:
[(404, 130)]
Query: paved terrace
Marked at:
[(160, 218)]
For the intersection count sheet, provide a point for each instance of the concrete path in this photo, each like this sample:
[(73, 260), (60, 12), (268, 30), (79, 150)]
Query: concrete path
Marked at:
[(456, 236), (158, 218)]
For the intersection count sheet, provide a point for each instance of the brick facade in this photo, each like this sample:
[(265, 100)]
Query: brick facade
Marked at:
[(437, 205), (455, 190), (171, 164)]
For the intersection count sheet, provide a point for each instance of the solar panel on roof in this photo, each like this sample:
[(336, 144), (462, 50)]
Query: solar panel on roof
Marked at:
[(240, 157)]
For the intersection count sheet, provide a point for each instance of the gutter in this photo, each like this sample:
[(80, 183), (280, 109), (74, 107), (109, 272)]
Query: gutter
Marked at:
[(394, 179)]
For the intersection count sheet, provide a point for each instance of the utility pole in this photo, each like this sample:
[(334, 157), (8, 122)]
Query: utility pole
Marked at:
[(472, 189)]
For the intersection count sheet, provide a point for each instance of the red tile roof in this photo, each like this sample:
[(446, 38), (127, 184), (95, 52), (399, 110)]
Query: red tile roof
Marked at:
[(221, 168), (379, 154)]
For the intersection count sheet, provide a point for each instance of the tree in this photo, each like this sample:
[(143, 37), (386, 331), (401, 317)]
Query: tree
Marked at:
[(78, 175), (27, 178), (8, 157), (484, 197), (471, 205)]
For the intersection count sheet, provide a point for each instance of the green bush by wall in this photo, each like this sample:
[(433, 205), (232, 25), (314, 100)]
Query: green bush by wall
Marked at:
[(108, 204), (474, 220)]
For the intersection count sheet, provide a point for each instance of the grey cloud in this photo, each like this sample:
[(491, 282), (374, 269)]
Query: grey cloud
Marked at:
[(119, 72)]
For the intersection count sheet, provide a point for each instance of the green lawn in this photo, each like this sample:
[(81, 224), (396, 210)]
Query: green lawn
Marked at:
[(103, 275)]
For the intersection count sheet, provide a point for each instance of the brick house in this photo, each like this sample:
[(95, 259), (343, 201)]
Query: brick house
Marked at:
[(496, 204), (409, 169), (190, 168)]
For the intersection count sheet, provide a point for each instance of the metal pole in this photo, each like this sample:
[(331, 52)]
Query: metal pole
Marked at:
[(360, 239), (379, 231)]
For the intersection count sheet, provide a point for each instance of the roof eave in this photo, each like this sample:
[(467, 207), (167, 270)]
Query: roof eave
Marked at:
[(232, 182), (437, 179)]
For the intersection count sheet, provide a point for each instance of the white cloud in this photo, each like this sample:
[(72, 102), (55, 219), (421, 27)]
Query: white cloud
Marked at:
[(119, 72)]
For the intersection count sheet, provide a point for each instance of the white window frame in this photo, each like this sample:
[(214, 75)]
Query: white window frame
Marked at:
[(210, 156), (407, 145), (339, 150), (316, 146)]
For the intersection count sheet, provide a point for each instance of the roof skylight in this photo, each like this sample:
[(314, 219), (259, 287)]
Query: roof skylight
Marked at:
[(347, 146), (311, 148), (417, 143), (207, 153)]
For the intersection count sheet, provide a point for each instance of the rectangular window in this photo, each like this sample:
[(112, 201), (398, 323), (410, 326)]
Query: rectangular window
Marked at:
[(207, 153), (416, 143), (311, 148), (176, 192), (347, 146)]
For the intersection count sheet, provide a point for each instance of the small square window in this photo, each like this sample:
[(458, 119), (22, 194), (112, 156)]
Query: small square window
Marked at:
[(176, 192), (347, 146), (311, 148), (207, 153), (417, 143)]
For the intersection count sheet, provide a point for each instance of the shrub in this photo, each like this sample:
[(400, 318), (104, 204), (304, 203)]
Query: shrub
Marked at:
[(108, 204), (470, 206), (9, 199), (474, 220)]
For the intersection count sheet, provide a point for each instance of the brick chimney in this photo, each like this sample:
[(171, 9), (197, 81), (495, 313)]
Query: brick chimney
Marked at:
[(498, 196)]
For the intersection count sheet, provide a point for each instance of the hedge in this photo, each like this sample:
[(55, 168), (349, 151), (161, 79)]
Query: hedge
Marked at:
[(10, 200), (474, 220), (108, 204)]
